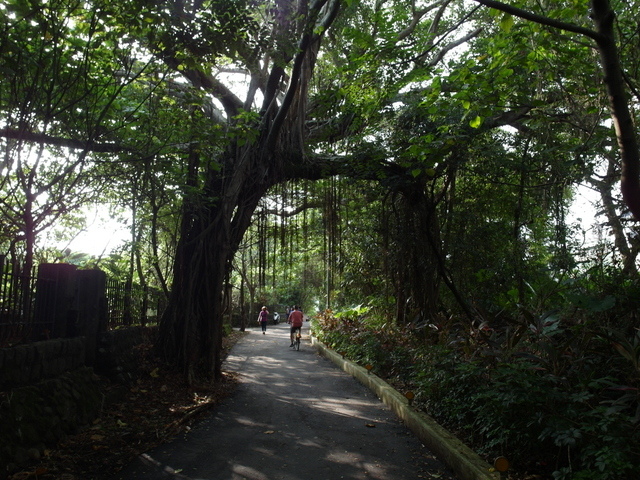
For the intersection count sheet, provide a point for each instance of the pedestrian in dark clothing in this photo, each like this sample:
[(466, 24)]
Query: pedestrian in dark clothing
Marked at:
[(263, 319)]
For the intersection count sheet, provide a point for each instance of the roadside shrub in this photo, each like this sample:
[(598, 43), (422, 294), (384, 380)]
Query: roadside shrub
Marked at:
[(555, 396)]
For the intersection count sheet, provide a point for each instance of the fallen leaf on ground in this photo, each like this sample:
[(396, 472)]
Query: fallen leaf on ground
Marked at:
[(150, 420)]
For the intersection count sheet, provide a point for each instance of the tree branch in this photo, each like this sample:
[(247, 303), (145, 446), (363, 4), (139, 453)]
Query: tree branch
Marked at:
[(542, 20), (417, 16), (34, 137), (305, 43), (603, 17)]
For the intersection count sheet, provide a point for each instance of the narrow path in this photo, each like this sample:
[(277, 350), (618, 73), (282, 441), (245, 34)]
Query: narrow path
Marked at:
[(294, 417)]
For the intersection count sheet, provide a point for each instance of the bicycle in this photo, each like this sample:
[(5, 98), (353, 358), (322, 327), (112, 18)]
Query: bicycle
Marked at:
[(296, 342)]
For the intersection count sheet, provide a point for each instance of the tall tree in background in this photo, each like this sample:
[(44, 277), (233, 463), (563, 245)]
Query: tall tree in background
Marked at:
[(38, 183)]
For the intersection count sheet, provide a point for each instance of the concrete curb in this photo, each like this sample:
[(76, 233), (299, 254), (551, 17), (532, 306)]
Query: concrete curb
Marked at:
[(463, 461)]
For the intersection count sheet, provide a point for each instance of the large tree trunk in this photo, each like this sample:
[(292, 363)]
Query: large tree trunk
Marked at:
[(191, 326), (217, 213), (417, 276), (604, 187)]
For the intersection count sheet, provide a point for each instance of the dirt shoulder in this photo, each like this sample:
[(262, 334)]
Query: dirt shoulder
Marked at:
[(134, 419)]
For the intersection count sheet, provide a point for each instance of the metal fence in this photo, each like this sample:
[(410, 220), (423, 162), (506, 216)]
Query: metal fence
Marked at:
[(132, 304), (16, 302), (127, 304)]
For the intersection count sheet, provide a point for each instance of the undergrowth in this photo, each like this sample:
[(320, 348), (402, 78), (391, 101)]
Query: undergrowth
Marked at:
[(557, 396)]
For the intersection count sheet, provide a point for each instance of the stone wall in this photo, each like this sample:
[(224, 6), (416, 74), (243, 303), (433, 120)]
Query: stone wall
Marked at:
[(117, 356), (37, 416), (29, 364), (47, 391)]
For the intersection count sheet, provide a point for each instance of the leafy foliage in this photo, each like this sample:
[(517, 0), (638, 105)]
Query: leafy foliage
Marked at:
[(554, 392), (445, 144)]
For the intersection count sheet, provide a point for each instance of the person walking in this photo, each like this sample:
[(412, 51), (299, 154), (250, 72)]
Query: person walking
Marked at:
[(263, 319), (296, 319)]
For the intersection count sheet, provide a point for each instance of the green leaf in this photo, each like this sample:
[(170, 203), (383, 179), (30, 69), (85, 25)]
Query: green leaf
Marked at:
[(506, 22), (476, 122)]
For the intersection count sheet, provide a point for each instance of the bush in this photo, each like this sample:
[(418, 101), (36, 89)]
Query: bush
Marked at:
[(551, 395)]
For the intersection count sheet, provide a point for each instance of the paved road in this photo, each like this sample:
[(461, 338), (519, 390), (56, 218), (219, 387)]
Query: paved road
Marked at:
[(295, 416)]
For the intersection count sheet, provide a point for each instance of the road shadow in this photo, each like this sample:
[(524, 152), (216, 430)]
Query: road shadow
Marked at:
[(294, 416)]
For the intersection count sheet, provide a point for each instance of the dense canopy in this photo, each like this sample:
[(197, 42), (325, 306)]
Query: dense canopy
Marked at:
[(414, 160)]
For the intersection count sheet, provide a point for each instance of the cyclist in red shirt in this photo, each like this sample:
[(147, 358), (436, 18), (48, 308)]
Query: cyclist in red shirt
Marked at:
[(296, 320)]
